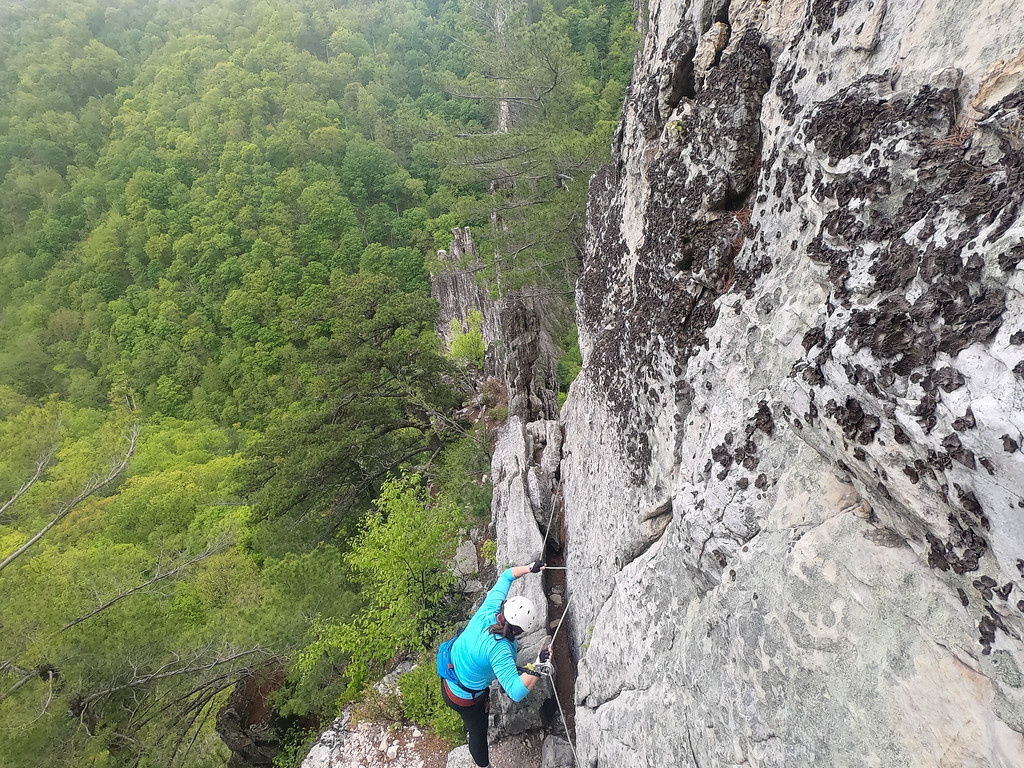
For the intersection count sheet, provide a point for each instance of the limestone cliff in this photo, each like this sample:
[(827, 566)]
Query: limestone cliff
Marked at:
[(519, 349), (792, 468)]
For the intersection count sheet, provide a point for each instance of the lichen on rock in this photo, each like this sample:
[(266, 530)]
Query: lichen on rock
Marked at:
[(792, 475)]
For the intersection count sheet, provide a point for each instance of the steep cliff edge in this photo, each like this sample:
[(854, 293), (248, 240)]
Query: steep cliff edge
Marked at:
[(792, 468), (519, 348)]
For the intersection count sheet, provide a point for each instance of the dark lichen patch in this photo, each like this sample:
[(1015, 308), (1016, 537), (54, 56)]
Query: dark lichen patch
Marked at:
[(791, 105), (825, 12), (958, 452), (855, 118), (1009, 259), (962, 551), (814, 338), (606, 253), (965, 422), (936, 553), (664, 309), (899, 435), (722, 455), (677, 78), (948, 379), (1017, 338), (924, 235), (763, 419), (857, 425), (987, 632)]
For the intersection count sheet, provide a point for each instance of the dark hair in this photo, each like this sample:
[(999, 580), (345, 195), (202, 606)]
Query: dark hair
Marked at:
[(501, 629)]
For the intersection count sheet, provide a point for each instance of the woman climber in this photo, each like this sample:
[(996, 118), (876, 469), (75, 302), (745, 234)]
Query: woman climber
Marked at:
[(486, 649)]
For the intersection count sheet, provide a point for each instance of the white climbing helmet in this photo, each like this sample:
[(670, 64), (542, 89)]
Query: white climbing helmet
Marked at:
[(521, 612)]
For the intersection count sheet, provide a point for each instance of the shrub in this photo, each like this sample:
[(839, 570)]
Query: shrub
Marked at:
[(489, 551), (400, 559), (460, 473), (422, 703), (468, 348)]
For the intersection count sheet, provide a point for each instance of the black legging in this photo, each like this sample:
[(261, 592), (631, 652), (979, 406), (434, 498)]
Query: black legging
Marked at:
[(474, 717)]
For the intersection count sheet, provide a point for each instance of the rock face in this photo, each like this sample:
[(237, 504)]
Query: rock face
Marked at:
[(793, 478), (518, 344), (245, 722), (524, 470)]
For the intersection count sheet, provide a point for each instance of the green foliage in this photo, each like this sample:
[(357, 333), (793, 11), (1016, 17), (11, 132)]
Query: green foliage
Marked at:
[(462, 474), (416, 699), (129, 613), (369, 375), (295, 745), (421, 701), (572, 360), (467, 347), (489, 551), (400, 561)]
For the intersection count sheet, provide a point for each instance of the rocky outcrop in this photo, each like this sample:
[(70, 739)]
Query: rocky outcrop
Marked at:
[(518, 344), (245, 722), (524, 471), (459, 293), (793, 478)]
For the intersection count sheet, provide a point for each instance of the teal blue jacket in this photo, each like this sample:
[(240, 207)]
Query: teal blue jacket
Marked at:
[(479, 657)]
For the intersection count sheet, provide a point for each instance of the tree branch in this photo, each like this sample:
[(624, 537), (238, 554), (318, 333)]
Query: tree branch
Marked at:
[(14, 689), (41, 466), (154, 676), (159, 576), (91, 487)]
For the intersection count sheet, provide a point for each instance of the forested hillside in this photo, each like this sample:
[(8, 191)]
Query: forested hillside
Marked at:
[(216, 338)]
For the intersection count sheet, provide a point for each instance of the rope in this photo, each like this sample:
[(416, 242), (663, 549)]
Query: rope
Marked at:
[(561, 712), (565, 725), (565, 612), (547, 529)]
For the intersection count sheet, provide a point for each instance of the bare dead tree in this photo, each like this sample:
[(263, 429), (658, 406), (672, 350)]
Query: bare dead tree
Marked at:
[(159, 575), (162, 673), (26, 676), (92, 486), (42, 465)]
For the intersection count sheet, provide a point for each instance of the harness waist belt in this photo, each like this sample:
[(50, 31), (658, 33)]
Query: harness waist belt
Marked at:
[(458, 699)]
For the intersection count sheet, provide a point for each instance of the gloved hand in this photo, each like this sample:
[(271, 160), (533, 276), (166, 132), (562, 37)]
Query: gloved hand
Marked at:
[(545, 656), (536, 566)]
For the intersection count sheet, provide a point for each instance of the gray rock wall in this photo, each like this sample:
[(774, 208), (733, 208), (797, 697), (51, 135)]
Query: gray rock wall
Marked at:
[(792, 471), (516, 329), (524, 469)]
